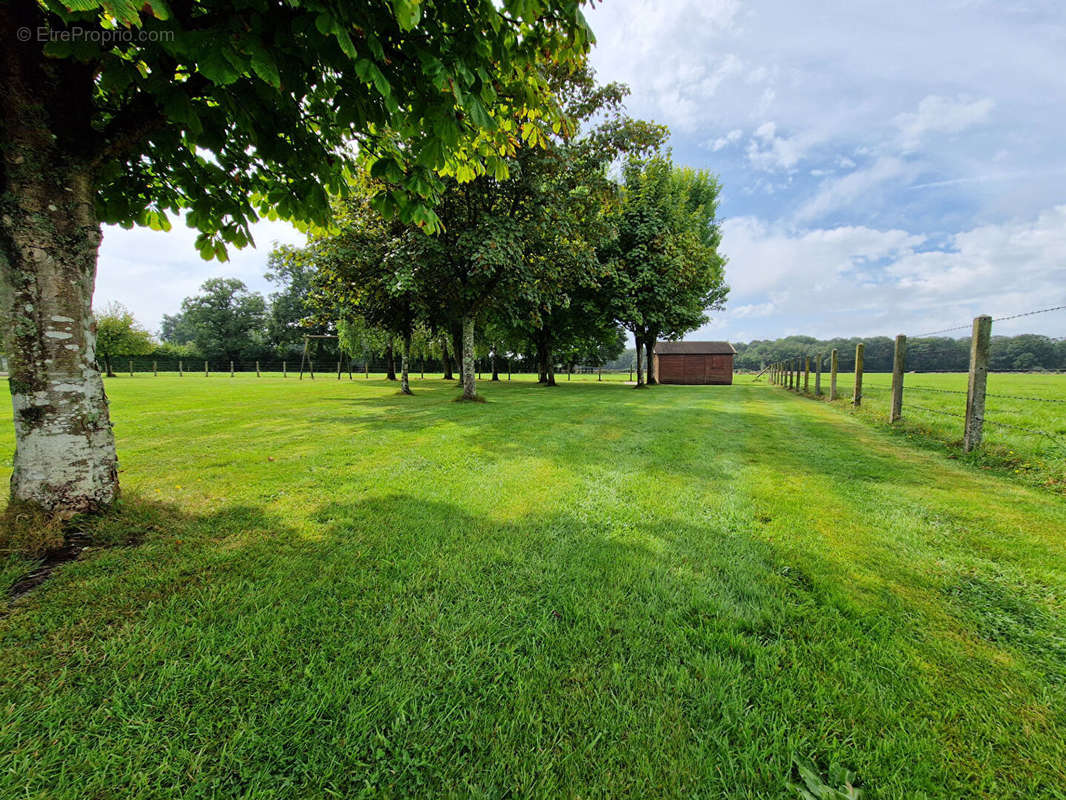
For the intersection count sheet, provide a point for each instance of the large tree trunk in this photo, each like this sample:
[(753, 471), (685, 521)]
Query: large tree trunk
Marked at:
[(447, 359), (469, 381), (640, 362), (457, 349), (649, 350), (390, 357), (545, 361), (405, 357), (65, 458), (108, 369), (495, 371)]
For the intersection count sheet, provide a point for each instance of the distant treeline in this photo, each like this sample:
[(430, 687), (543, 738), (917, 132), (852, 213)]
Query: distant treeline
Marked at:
[(1025, 352)]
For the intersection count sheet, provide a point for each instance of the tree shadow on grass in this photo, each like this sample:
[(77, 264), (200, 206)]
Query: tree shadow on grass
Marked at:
[(407, 647)]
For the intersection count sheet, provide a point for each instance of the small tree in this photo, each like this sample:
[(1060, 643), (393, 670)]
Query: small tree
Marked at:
[(119, 334)]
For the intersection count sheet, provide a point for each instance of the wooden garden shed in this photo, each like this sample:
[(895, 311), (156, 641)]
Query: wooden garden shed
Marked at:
[(694, 362)]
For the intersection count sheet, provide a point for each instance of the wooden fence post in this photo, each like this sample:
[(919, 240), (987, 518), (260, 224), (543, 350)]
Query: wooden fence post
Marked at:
[(206, 373), (257, 370), (818, 375), (284, 369), (833, 375), (975, 390), (856, 396), (806, 374), (898, 357), (799, 369), (181, 372)]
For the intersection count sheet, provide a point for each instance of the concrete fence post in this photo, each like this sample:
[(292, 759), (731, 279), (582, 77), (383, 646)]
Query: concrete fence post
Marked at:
[(898, 357), (856, 396), (975, 390)]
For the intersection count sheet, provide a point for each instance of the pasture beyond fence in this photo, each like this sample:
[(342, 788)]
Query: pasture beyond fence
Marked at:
[(794, 374)]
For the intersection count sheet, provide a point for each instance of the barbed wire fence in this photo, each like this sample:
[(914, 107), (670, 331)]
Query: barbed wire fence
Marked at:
[(794, 374)]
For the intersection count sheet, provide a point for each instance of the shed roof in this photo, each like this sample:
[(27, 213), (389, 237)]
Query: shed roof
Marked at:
[(695, 348)]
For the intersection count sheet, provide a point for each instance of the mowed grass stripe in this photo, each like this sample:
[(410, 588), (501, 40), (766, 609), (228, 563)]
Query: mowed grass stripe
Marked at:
[(580, 591)]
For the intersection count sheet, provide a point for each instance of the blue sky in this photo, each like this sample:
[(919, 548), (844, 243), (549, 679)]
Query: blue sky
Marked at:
[(887, 168)]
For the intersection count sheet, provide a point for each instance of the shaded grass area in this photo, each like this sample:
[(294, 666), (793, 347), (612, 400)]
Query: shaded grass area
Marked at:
[(581, 591)]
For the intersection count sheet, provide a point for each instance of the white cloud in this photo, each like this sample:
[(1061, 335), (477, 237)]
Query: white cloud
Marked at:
[(859, 281), (941, 115), (836, 193), (769, 152), (724, 141), (151, 272)]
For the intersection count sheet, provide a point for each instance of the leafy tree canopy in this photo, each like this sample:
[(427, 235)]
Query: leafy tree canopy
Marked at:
[(226, 320), (237, 110)]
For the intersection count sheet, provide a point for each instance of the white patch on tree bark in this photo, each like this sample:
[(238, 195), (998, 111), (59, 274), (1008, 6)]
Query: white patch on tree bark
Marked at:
[(469, 378)]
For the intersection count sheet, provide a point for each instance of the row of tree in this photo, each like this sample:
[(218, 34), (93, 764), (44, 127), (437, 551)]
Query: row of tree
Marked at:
[(592, 232), (939, 354), (227, 112), (555, 259)]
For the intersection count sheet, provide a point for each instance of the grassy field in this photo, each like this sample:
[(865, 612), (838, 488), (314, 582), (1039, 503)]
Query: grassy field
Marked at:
[(933, 408), (330, 590)]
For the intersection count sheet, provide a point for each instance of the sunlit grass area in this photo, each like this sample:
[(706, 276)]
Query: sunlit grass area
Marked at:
[(327, 589), (1025, 414)]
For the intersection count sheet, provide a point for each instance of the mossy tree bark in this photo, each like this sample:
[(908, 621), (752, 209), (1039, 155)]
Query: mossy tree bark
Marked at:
[(649, 360), (390, 358), (65, 458), (405, 358), (469, 379), (446, 360)]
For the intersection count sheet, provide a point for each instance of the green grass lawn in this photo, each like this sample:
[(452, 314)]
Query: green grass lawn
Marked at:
[(1025, 413), (588, 591)]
